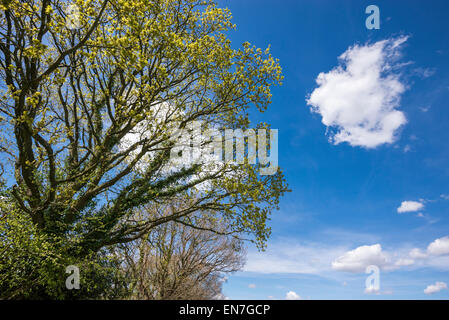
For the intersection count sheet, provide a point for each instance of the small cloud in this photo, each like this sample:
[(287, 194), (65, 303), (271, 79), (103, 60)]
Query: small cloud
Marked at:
[(410, 206), (424, 109), (252, 285), (292, 295), (445, 196), (434, 288), (407, 148)]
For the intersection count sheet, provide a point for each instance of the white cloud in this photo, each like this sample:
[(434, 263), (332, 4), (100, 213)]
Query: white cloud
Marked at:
[(439, 247), (410, 206), (358, 99), (357, 260), (292, 295), (434, 288), (252, 285)]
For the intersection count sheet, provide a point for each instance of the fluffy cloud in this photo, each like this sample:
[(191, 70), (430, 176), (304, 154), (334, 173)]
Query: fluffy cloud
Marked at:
[(358, 99), (358, 259), (434, 288), (292, 295), (410, 206), (436, 255), (439, 247)]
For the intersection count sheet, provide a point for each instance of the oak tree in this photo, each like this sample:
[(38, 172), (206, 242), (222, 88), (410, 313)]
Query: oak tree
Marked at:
[(75, 83)]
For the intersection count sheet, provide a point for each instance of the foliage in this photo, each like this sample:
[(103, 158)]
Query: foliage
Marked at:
[(32, 265)]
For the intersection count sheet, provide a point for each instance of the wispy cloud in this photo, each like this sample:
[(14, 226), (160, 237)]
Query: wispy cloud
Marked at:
[(290, 256), (424, 72)]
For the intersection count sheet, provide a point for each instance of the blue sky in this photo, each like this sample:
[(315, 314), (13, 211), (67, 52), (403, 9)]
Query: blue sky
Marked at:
[(342, 213)]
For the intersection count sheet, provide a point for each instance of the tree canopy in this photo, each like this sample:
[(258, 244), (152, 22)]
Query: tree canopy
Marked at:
[(74, 84)]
